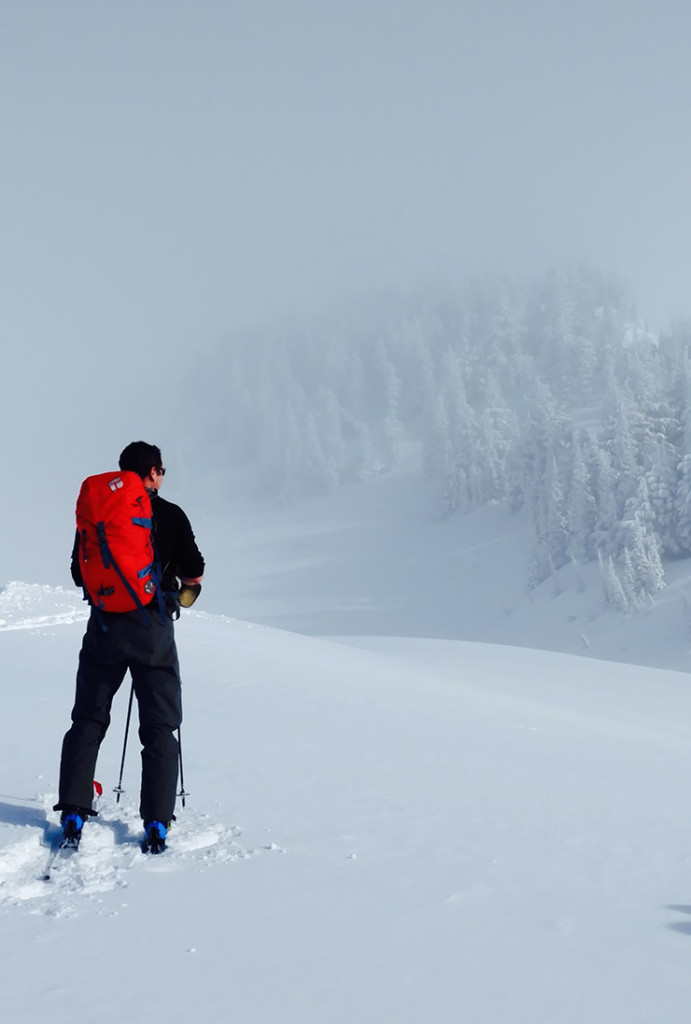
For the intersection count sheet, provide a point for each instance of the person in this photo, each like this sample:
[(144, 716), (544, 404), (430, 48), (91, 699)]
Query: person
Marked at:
[(117, 641)]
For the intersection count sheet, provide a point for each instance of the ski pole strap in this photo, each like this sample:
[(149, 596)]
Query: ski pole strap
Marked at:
[(156, 580), (99, 618)]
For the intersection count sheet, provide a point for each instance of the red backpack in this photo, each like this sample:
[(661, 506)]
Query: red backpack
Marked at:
[(116, 553)]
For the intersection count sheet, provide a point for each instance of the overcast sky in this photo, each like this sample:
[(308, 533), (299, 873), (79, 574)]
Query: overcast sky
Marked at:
[(174, 170)]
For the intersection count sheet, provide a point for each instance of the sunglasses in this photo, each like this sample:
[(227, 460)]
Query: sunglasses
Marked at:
[(161, 471)]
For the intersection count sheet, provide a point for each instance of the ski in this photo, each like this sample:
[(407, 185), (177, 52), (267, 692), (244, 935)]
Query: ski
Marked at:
[(67, 841), (61, 850)]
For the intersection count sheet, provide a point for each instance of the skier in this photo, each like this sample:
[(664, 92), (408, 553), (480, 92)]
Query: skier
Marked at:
[(141, 640)]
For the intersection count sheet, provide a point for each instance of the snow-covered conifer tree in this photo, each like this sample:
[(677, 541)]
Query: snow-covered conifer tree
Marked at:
[(319, 470), (645, 558), (581, 508), (606, 527), (368, 465), (611, 584), (393, 428), (661, 487), (456, 491), (556, 523), (436, 445), (682, 504), (682, 497)]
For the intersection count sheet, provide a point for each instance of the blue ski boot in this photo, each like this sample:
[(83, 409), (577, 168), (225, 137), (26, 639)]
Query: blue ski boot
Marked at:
[(72, 825), (155, 838)]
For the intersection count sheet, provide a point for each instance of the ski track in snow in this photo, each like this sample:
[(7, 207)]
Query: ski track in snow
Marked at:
[(109, 852)]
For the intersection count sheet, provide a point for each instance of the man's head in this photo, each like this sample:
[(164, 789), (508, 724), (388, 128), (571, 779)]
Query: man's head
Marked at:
[(146, 461)]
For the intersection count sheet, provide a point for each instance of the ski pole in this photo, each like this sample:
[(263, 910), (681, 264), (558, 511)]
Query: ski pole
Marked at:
[(182, 792), (118, 789)]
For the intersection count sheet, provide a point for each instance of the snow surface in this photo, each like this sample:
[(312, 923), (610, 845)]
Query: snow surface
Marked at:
[(378, 559), (408, 828)]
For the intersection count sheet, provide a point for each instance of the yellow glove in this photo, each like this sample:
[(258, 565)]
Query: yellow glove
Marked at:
[(189, 592)]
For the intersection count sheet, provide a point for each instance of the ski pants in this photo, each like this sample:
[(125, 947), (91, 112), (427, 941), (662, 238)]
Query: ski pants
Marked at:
[(149, 652)]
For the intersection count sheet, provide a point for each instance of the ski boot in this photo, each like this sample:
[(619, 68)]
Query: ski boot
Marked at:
[(72, 824), (155, 838)]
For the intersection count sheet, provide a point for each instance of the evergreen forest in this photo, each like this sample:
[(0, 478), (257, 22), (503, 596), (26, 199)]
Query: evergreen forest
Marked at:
[(549, 395)]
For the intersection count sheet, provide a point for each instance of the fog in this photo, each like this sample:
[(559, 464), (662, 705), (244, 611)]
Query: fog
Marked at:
[(175, 171)]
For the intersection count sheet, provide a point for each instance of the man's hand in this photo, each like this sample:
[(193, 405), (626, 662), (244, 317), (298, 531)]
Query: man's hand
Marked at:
[(189, 592)]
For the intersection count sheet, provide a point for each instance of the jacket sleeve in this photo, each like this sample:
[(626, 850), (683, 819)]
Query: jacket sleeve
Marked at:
[(190, 562), (74, 564)]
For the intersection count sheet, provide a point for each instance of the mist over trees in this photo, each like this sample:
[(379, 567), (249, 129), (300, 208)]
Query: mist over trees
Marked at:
[(549, 396)]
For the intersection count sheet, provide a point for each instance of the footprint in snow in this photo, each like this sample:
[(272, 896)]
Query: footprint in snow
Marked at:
[(108, 853)]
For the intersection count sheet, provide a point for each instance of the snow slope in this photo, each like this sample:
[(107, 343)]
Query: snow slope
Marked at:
[(378, 830), (377, 559)]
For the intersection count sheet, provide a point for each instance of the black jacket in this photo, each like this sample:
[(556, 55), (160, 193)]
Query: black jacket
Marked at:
[(176, 549)]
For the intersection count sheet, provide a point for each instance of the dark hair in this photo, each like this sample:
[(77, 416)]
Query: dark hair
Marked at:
[(140, 457)]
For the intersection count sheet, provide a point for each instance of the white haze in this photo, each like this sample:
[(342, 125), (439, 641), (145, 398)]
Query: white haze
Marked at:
[(172, 172)]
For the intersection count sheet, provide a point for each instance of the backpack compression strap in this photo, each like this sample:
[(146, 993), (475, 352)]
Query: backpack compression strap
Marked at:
[(109, 561)]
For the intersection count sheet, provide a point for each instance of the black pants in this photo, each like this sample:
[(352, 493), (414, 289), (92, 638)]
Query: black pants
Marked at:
[(151, 656)]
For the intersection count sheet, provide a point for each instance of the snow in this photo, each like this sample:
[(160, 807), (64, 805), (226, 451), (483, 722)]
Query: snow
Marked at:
[(434, 824), (379, 559)]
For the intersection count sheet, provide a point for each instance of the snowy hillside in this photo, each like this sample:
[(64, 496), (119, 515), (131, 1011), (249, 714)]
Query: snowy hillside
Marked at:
[(377, 558), (378, 830), (551, 398)]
